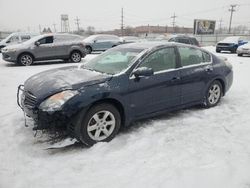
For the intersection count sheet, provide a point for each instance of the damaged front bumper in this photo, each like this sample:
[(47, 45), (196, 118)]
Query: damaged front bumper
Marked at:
[(42, 119)]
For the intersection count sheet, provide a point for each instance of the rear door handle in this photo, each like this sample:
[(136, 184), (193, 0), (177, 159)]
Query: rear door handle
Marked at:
[(177, 78)]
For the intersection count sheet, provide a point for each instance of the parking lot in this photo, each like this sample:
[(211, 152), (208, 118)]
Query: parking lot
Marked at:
[(180, 149)]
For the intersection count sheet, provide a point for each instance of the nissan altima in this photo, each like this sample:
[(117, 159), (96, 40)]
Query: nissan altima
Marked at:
[(133, 81)]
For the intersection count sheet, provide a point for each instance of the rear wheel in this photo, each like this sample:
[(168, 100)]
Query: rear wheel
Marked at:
[(218, 51), (76, 57), (240, 54), (101, 123), (25, 59), (213, 94)]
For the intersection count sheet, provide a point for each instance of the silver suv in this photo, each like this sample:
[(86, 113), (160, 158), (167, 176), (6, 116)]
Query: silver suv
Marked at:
[(46, 47)]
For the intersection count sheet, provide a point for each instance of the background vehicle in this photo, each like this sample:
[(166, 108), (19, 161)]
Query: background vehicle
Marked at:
[(15, 38), (101, 42), (229, 44), (243, 49), (129, 39), (184, 39), (46, 47), (124, 84)]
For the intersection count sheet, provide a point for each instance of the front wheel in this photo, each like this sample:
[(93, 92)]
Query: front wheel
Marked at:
[(25, 60), (76, 57), (101, 123), (88, 50), (213, 94)]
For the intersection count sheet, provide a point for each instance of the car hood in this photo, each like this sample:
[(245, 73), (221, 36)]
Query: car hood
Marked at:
[(15, 46), (53, 81), (247, 45)]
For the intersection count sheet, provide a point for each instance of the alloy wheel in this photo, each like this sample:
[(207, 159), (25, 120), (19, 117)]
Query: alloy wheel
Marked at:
[(101, 125), (26, 60), (76, 57), (214, 94)]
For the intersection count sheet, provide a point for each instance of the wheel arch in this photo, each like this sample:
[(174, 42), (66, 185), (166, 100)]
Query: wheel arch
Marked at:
[(75, 50), (222, 84), (116, 103), (19, 55)]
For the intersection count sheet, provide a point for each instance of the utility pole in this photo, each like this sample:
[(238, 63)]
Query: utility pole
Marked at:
[(40, 29), (122, 23), (54, 25), (173, 17), (220, 28), (231, 16), (77, 23)]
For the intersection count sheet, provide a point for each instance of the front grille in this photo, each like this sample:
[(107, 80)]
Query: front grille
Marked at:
[(5, 56), (29, 100), (224, 44)]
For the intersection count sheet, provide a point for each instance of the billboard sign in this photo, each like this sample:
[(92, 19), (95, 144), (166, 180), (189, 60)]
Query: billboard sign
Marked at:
[(204, 27)]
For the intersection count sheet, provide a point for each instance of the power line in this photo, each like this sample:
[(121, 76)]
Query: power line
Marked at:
[(231, 16)]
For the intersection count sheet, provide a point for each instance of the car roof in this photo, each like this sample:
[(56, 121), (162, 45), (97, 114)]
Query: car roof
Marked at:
[(154, 44)]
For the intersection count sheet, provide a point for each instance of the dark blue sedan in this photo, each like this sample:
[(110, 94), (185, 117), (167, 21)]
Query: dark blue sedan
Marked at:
[(127, 83)]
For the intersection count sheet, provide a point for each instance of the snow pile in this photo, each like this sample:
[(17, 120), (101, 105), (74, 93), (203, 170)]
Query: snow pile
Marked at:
[(189, 148)]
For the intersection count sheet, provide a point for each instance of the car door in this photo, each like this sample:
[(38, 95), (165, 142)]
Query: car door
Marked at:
[(44, 49), (99, 43), (195, 72), (159, 91), (61, 45)]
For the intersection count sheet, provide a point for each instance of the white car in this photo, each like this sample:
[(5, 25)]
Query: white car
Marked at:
[(15, 38), (244, 49)]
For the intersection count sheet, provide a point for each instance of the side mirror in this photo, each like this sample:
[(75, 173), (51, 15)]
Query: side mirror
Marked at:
[(143, 71), (95, 41), (8, 41), (37, 43)]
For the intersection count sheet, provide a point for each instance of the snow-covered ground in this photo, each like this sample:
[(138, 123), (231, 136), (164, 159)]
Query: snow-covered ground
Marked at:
[(208, 148)]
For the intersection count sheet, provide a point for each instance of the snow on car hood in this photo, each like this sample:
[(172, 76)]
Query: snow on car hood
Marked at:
[(247, 45), (52, 81)]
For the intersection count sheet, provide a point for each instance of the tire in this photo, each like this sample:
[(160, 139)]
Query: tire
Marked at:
[(25, 59), (240, 55), (213, 94), (218, 51), (88, 50), (76, 56), (93, 128)]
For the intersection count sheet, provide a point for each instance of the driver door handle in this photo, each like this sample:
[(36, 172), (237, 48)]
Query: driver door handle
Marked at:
[(209, 69)]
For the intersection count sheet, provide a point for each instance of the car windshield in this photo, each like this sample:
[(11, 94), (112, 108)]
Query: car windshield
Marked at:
[(113, 61), (90, 38)]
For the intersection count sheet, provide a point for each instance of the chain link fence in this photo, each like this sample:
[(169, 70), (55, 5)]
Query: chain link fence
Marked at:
[(211, 40)]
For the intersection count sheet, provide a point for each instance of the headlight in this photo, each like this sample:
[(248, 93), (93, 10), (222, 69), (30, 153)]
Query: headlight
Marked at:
[(55, 102), (8, 49)]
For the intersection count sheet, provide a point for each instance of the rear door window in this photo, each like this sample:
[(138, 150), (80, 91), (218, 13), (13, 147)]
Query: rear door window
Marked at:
[(206, 57), (194, 41), (183, 40), (190, 56), (25, 37)]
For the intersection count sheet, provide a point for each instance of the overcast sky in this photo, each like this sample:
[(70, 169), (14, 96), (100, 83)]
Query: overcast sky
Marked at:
[(106, 14)]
